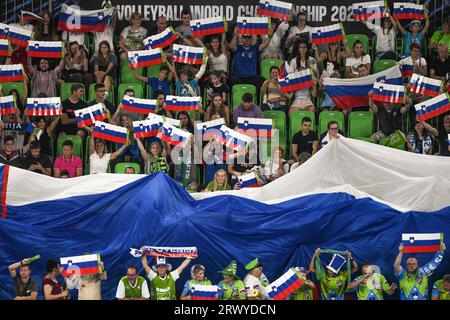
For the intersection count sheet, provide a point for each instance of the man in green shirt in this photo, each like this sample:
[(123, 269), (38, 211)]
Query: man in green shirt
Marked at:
[(441, 289), (162, 278), (231, 288), (371, 285), (441, 36), (132, 286)]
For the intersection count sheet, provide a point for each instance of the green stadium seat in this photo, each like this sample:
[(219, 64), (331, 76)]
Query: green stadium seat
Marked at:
[(66, 92), (92, 93), (126, 75), (153, 71), (8, 86), (77, 145), (351, 38), (89, 43), (279, 121), (266, 64), (360, 125), (327, 116), (120, 167), (238, 90), (295, 122), (383, 64), (137, 87)]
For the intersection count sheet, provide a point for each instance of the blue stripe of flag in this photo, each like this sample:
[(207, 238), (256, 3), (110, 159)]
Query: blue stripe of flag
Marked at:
[(111, 133), (388, 93), (276, 9), (285, 285), (10, 73), (42, 106), (429, 86), (14, 35), (253, 25), (82, 265), (146, 58), (420, 243), (45, 49), (190, 55)]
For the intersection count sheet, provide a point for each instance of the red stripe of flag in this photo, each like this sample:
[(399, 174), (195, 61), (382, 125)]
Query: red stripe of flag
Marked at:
[(166, 43), (420, 249), (206, 32), (188, 60), (366, 16), (146, 134), (18, 77), (203, 298), (4, 189), (179, 108), (253, 31), (297, 86), (109, 137), (4, 53), (137, 110), (409, 16), (425, 92), (382, 98), (42, 54), (297, 283), (80, 271), (8, 110)]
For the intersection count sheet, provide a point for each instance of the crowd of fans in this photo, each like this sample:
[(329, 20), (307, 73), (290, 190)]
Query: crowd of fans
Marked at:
[(98, 58), (317, 284)]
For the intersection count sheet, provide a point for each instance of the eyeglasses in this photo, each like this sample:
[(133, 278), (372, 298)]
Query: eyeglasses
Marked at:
[(131, 275), (9, 144), (334, 129)]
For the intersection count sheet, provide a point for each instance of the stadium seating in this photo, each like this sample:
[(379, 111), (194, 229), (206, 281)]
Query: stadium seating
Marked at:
[(279, 121), (65, 91), (8, 86), (126, 75), (137, 87), (360, 125), (266, 64), (238, 90), (351, 38), (110, 95), (383, 64), (77, 145), (295, 124), (327, 116), (120, 167)]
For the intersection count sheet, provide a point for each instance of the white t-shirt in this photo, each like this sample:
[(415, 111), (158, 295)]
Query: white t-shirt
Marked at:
[(355, 62), (134, 39), (27, 26), (219, 63), (104, 36), (120, 293), (274, 47), (152, 274), (97, 164), (294, 30), (385, 42), (271, 168), (292, 65), (253, 283), (78, 37)]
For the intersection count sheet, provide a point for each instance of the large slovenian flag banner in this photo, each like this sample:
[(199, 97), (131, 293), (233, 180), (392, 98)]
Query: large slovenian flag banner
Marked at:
[(175, 103), (45, 49), (8, 105), (75, 20), (17, 36), (274, 9), (284, 285), (30, 16), (426, 86), (422, 242), (160, 40), (80, 265), (174, 136), (5, 48), (110, 132), (248, 180), (88, 116), (145, 58), (328, 34), (254, 127), (349, 93), (208, 26), (407, 67), (146, 128), (44, 107), (371, 9), (211, 128), (296, 81), (137, 105), (11, 73), (233, 139), (189, 55), (390, 93), (253, 25), (407, 11), (203, 292), (433, 107)]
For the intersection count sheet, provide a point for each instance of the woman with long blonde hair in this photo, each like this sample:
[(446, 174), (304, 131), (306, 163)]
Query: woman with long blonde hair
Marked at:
[(219, 183)]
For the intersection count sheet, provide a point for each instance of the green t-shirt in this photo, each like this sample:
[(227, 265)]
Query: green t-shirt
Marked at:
[(303, 293), (373, 288), (131, 292), (439, 292), (234, 292), (332, 288), (438, 38), (163, 288), (219, 188)]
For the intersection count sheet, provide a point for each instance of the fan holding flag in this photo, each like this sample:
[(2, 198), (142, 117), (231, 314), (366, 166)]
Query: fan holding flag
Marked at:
[(231, 287), (156, 159), (414, 280), (306, 290), (198, 279), (371, 284)]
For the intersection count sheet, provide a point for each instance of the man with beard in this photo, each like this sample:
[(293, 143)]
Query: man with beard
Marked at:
[(43, 79)]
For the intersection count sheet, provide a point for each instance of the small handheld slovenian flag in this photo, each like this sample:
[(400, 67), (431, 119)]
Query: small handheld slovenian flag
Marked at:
[(388, 93), (110, 132), (162, 119), (189, 55), (174, 136), (371, 9), (274, 9), (17, 36), (204, 27), (422, 242), (253, 25), (80, 265), (175, 103), (145, 58), (284, 285), (88, 116), (406, 10), (7, 105), (146, 128), (210, 129), (328, 34), (44, 107), (433, 107), (427, 86), (30, 16), (248, 180), (72, 19), (296, 81), (5, 48), (336, 263), (11, 73), (254, 127), (203, 292), (406, 65), (137, 105), (161, 40), (233, 139), (45, 49)]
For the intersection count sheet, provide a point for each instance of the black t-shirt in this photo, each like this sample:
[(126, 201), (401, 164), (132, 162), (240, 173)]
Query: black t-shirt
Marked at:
[(111, 108), (212, 90), (441, 68), (24, 289), (443, 141), (43, 159), (304, 143), (389, 121), (69, 108)]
